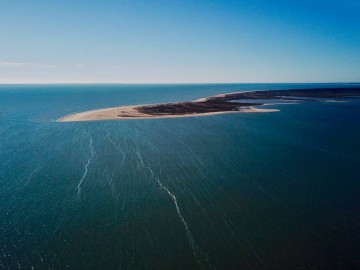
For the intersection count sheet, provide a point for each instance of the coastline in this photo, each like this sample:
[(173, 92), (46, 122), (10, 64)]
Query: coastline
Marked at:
[(110, 114), (235, 102)]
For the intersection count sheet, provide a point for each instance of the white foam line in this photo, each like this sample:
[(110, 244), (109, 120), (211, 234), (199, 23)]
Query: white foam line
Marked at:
[(192, 152), (140, 158), (31, 174), (116, 145), (198, 253), (86, 166)]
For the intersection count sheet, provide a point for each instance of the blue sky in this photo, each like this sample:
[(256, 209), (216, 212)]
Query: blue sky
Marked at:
[(179, 41)]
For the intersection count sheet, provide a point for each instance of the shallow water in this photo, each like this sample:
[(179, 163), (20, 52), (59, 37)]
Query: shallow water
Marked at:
[(231, 191)]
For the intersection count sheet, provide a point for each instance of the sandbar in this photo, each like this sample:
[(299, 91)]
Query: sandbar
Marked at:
[(235, 102)]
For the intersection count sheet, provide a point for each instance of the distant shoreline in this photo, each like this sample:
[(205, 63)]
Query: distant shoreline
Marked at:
[(106, 114), (236, 102)]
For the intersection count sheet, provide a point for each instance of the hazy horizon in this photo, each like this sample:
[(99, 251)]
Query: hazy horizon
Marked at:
[(173, 83)]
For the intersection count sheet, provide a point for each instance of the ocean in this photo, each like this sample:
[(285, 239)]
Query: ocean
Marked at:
[(253, 191)]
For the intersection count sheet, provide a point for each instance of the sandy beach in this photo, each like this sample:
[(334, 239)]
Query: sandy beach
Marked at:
[(131, 112), (236, 102)]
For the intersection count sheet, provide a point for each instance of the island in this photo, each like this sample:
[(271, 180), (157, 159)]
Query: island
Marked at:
[(236, 102)]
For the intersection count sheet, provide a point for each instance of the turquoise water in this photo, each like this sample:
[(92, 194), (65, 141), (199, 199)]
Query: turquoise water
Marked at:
[(232, 191)]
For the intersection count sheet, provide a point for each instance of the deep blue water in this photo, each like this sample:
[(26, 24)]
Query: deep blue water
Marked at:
[(232, 191)]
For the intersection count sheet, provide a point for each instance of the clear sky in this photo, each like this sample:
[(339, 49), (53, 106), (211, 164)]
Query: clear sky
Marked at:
[(68, 41)]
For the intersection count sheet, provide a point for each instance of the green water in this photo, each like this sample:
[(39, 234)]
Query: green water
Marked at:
[(232, 191)]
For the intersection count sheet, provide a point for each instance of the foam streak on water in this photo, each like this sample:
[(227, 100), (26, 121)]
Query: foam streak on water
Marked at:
[(198, 253), (201, 257), (86, 168)]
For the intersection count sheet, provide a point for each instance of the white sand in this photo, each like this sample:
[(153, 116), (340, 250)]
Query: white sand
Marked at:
[(130, 112)]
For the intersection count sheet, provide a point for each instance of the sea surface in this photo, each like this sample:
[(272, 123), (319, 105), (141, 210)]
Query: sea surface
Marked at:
[(252, 191)]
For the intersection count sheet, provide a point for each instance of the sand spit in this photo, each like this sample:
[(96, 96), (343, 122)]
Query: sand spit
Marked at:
[(130, 113), (236, 102)]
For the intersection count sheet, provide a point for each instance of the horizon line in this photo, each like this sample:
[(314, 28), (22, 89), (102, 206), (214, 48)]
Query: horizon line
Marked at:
[(170, 83)]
